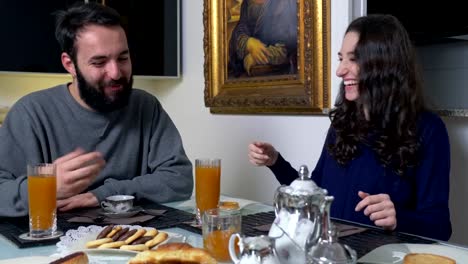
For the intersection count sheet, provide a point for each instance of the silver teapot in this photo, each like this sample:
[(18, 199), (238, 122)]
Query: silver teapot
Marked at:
[(300, 210), (327, 249), (253, 250)]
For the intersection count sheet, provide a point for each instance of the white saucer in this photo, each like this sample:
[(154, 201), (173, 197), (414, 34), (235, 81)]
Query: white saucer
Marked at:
[(135, 210)]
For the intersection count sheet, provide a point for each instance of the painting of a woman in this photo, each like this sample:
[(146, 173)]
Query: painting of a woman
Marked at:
[(264, 41)]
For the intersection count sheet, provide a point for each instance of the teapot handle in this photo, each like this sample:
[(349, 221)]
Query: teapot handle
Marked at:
[(232, 250)]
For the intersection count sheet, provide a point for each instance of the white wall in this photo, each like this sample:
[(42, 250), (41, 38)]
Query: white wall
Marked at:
[(299, 138)]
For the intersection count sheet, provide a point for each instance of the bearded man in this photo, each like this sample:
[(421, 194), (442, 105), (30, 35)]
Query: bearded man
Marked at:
[(105, 137)]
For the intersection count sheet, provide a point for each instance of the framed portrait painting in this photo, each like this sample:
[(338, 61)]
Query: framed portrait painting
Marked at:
[(267, 56)]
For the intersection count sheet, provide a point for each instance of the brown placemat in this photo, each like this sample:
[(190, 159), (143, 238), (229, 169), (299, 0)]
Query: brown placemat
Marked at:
[(96, 216)]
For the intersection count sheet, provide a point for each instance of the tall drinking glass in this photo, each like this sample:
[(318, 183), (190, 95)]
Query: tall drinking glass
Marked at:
[(42, 192), (207, 185)]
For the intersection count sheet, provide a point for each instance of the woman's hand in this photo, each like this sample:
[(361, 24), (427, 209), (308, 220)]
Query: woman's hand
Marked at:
[(262, 154), (379, 208)]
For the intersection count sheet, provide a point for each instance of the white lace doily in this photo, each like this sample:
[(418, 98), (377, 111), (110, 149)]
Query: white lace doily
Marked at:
[(76, 239)]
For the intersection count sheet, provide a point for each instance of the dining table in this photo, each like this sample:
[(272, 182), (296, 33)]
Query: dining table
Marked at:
[(10, 252), (373, 245)]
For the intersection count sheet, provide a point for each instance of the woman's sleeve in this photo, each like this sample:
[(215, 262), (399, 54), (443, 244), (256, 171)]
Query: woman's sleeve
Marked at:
[(431, 218), (283, 171)]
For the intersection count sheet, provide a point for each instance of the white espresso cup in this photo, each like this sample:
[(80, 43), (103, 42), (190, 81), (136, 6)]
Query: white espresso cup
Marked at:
[(118, 203)]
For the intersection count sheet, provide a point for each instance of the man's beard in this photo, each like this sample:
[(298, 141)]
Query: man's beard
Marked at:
[(96, 98)]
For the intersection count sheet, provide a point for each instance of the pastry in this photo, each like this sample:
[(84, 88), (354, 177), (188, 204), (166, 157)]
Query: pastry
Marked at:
[(114, 244), (138, 247), (119, 234), (174, 253), (117, 237), (114, 231), (128, 234), (139, 233), (159, 238), (74, 258), (105, 231), (96, 243), (426, 258)]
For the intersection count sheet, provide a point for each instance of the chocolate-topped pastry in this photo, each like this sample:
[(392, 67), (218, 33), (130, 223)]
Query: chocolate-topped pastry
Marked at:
[(119, 234), (127, 235), (105, 231), (142, 240)]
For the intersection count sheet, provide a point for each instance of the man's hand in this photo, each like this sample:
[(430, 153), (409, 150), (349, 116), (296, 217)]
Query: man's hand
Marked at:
[(76, 171), (379, 208), (262, 154), (81, 200)]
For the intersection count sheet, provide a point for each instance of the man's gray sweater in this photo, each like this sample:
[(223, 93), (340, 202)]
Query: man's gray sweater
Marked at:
[(140, 144)]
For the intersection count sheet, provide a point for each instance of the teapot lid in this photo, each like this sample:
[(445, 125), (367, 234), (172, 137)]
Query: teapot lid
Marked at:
[(304, 184)]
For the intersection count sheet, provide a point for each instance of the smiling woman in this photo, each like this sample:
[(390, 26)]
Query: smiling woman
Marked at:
[(386, 158)]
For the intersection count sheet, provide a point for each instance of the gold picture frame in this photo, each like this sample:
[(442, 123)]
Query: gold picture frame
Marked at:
[(305, 89)]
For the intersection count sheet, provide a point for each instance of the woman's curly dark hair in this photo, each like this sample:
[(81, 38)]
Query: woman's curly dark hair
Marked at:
[(389, 89)]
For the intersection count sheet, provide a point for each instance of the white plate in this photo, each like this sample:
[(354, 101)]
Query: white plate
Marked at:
[(76, 239), (394, 253), (29, 260)]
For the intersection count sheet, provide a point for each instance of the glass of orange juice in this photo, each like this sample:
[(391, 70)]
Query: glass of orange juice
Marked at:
[(207, 185), (218, 226), (42, 192)]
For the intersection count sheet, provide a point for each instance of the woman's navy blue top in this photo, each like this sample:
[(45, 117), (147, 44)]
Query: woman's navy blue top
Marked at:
[(420, 195)]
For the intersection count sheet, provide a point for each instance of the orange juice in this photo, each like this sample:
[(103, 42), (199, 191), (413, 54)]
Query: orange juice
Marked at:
[(217, 244), (42, 191), (207, 187)]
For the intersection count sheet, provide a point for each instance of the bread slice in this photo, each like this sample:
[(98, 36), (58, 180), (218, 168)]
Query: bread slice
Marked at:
[(426, 258), (74, 258), (174, 253)]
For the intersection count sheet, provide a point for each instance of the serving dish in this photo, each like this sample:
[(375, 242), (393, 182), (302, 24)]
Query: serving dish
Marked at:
[(76, 239), (394, 253)]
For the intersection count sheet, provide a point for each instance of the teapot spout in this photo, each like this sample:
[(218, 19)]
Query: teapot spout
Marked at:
[(323, 222), (325, 212)]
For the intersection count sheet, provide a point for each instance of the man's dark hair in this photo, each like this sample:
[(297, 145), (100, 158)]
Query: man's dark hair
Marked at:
[(69, 23)]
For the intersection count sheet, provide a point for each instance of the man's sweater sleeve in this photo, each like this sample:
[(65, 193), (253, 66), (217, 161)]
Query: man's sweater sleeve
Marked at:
[(169, 176), (19, 145)]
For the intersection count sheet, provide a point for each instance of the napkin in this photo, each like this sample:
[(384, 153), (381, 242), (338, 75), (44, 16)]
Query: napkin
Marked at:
[(94, 216), (347, 230)]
